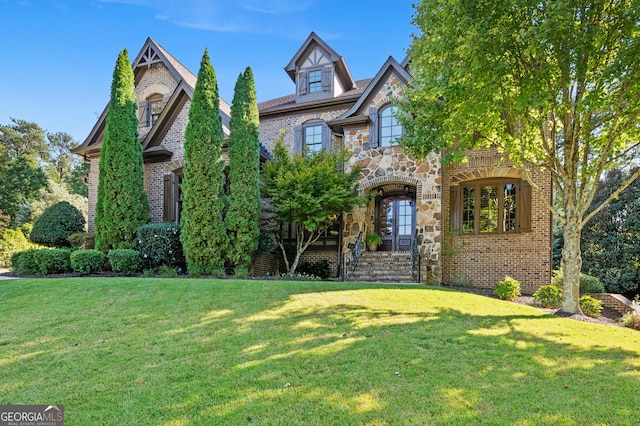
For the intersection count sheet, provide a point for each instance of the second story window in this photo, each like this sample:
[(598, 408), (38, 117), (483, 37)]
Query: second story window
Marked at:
[(390, 127), (154, 109), (315, 81)]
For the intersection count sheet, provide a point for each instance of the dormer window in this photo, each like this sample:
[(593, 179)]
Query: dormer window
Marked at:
[(315, 81)]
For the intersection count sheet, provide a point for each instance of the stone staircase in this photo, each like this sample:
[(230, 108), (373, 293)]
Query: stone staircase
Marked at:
[(383, 266)]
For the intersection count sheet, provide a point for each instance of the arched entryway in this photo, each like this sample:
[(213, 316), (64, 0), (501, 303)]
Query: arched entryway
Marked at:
[(396, 217)]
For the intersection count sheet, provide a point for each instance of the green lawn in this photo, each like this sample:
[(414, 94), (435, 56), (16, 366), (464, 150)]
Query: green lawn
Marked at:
[(127, 351)]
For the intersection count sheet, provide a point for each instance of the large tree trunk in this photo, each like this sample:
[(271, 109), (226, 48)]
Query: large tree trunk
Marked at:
[(571, 266)]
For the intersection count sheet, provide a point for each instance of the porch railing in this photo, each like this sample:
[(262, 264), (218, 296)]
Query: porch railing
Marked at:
[(352, 256), (415, 259)]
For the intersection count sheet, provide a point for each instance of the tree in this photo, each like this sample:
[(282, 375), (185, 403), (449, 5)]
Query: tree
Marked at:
[(21, 180), (555, 84), (309, 192), (23, 138), (56, 224), (61, 161), (244, 175), (122, 204), (203, 234), (610, 249)]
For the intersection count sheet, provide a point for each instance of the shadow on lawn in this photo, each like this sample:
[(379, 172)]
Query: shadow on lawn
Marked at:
[(343, 363), (222, 352)]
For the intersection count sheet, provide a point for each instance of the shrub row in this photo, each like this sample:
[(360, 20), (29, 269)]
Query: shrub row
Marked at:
[(550, 297), (58, 261)]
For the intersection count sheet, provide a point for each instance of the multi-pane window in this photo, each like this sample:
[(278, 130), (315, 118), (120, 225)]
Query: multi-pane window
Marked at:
[(390, 127), (312, 138), (489, 208), (315, 81)]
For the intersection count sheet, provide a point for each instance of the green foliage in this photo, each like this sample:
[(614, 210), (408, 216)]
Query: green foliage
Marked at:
[(55, 261), (82, 240), (159, 244), (75, 180), (21, 180), (318, 269), (631, 320), (56, 224), (537, 80), (167, 271), (265, 243), (243, 216), (52, 194), (507, 289), (588, 283), (125, 261), (613, 235), (240, 272), (13, 241), (310, 192), (87, 261), (590, 307), (373, 238), (23, 139), (203, 235), (548, 296), (24, 263), (122, 205)]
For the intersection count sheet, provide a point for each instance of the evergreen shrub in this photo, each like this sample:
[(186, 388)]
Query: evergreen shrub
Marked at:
[(125, 261), (24, 263), (548, 296), (507, 289), (82, 240), (318, 269), (56, 224), (87, 261), (590, 307), (588, 283), (159, 244), (57, 261)]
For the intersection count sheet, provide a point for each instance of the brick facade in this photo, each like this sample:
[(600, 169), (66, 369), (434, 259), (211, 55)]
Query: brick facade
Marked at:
[(479, 260)]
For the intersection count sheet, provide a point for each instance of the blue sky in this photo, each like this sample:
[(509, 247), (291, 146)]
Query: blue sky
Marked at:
[(58, 55)]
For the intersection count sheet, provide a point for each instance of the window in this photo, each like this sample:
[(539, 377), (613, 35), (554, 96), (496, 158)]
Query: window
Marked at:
[(490, 207), (312, 138), (390, 128), (154, 109), (315, 81)]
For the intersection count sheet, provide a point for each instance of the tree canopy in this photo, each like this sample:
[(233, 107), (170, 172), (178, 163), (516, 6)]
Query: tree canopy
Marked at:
[(554, 84), (310, 192), (122, 204)]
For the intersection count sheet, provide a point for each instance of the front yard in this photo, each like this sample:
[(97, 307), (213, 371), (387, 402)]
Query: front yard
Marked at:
[(199, 351)]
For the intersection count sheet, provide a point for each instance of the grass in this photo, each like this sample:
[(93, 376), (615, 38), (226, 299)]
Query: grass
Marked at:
[(188, 351)]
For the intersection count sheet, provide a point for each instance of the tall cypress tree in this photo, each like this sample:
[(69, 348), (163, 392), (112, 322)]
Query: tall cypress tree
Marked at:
[(244, 174), (203, 234), (122, 204)]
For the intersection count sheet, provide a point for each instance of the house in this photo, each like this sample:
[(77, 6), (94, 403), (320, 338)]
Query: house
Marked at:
[(470, 223)]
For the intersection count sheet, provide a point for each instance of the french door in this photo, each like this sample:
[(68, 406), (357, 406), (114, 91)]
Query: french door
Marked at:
[(396, 222)]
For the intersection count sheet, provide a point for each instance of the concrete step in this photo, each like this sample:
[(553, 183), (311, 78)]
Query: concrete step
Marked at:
[(383, 266)]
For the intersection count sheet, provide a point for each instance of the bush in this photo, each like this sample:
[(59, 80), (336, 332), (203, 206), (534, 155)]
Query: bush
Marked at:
[(588, 283), (82, 240), (56, 261), (317, 269), (56, 224), (87, 261), (548, 296), (590, 307), (631, 320), (159, 244), (24, 263), (13, 241), (507, 289), (125, 261)]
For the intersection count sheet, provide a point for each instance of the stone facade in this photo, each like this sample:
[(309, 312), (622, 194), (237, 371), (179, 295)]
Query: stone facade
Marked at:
[(350, 116)]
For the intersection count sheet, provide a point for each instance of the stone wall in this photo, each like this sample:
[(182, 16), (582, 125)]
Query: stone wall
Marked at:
[(484, 260)]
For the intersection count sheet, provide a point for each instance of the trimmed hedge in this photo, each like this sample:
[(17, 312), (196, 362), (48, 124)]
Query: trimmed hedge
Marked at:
[(125, 261), (318, 269), (159, 244), (56, 261), (588, 283), (87, 261), (24, 263)]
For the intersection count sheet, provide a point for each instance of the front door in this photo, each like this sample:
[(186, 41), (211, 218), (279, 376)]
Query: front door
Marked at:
[(396, 222)]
